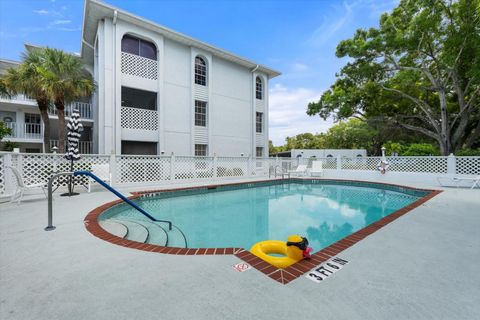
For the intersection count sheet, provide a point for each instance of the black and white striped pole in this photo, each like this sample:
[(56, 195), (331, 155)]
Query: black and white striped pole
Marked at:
[(75, 128)]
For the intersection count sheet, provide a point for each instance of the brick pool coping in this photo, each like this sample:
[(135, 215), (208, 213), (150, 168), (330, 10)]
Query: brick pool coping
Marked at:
[(283, 276)]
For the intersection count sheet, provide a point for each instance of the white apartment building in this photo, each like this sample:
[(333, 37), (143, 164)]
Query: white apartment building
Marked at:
[(159, 92)]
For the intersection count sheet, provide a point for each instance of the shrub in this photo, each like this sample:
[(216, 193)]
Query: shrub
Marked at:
[(421, 149), (468, 152)]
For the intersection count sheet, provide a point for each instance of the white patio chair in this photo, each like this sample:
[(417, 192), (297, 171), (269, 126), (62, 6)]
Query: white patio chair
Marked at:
[(299, 171), (317, 169), (102, 171), (456, 181), (22, 187)]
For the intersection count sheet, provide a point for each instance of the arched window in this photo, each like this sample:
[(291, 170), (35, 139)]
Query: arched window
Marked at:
[(259, 88), (200, 71), (329, 156), (139, 47)]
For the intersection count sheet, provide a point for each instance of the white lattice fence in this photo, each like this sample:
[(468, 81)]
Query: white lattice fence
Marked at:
[(193, 168), (359, 163), (139, 66), (136, 118), (142, 169), (36, 168), (232, 167), (468, 165), (418, 164)]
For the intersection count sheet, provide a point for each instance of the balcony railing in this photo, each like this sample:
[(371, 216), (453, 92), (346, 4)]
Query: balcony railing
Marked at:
[(30, 131), (141, 119), (139, 66), (84, 147), (84, 108)]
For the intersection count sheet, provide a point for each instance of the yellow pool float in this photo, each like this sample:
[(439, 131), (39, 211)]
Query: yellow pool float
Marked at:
[(292, 251)]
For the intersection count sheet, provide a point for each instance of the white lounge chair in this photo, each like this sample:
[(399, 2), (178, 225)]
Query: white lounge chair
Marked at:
[(22, 187), (300, 170), (457, 181), (102, 171), (317, 169)]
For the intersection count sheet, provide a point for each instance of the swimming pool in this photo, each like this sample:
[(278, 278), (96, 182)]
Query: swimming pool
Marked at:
[(238, 216)]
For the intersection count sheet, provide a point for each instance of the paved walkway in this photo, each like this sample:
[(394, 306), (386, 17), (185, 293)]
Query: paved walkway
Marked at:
[(424, 265)]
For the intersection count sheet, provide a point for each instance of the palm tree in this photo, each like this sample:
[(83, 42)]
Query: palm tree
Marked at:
[(65, 80), (26, 79)]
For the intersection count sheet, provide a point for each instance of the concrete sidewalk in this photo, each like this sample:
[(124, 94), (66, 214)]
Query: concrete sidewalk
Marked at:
[(422, 266)]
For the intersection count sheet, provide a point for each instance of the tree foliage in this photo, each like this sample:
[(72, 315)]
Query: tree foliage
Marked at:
[(419, 70), (49, 76), (4, 130)]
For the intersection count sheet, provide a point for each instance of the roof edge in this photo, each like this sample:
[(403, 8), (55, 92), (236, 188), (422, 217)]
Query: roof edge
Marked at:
[(174, 35)]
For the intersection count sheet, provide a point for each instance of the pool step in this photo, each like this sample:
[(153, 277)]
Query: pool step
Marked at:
[(176, 238), (136, 231), (145, 231), (156, 233), (114, 227)]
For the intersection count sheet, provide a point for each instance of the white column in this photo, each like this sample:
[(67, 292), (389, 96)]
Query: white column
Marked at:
[(451, 164)]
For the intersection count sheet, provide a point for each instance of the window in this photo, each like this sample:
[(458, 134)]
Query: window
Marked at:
[(135, 98), (200, 113), (200, 71), (32, 123), (259, 88), (139, 147), (201, 150), (259, 152), (139, 47), (259, 126)]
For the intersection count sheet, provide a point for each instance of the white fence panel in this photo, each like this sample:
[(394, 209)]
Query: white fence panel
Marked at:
[(131, 169), (468, 165)]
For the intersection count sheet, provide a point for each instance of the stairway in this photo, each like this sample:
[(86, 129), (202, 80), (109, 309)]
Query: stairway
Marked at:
[(145, 231)]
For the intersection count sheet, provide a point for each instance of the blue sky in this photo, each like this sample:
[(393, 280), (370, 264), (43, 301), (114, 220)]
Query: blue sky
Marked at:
[(295, 37)]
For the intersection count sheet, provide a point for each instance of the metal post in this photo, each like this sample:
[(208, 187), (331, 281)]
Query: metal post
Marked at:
[(50, 225)]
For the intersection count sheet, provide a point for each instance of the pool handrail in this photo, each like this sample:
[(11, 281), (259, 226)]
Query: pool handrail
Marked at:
[(121, 196), (106, 186)]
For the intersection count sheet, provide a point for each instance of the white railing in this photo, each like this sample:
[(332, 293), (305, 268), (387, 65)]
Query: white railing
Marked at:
[(84, 147), (84, 108), (18, 97), (136, 118), (161, 170), (31, 131), (139, 66)]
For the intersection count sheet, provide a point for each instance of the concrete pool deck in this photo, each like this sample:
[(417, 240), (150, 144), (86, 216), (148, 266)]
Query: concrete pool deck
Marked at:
[(423, 265)]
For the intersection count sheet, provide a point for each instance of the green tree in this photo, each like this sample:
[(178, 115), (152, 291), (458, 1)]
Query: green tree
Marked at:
[(351, 134), (419, 70), (27, 80), (65, 80), (4, 130)]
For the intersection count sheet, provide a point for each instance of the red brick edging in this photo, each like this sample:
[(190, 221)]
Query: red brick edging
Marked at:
[(283, 276)]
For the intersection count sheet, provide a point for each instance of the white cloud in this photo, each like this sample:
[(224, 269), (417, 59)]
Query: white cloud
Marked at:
[(57, 22), (41, 11), (337, 18), (298, 67), (287, 113)]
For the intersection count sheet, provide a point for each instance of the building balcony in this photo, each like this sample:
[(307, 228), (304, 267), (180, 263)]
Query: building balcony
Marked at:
[(29, 131), (133, 65), (139, 124), (84, 108)]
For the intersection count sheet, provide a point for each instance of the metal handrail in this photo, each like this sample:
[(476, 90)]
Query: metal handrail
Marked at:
[(106, 186)]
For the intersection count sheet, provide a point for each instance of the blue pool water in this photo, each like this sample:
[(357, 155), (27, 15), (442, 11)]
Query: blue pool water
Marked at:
[(324, 213)]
